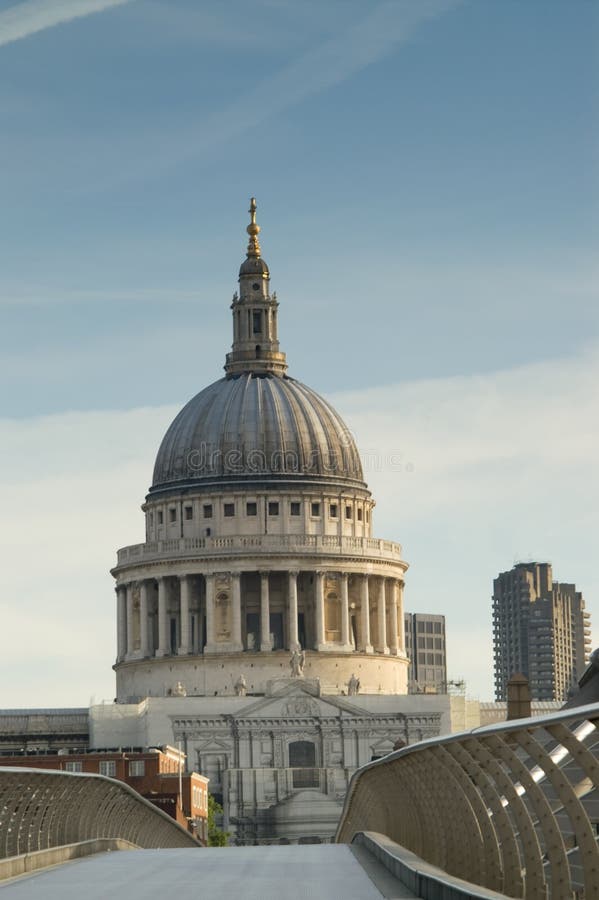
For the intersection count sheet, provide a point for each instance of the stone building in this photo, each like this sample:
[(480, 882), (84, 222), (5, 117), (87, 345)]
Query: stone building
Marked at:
[(43, 730), (261, 622), (426, 650), (541, 629)]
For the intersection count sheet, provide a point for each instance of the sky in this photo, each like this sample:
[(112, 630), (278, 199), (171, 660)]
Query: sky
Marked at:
[(426, 177)]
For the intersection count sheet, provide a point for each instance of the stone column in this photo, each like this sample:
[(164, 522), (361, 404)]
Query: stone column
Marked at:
[(344, 579), (144, 642), (236, 600), (121, 618), (381, 609), (163, 635), (366, 646), (265, 642), (401, 619), (393, 637), (210, 597), (320, 633), (292, 610), (130, 651), (184, 595)]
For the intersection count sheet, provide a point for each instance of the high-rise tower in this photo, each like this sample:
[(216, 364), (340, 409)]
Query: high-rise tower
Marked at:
[(541, 629)]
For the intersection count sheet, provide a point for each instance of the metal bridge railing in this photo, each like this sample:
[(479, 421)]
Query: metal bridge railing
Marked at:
[(41, 809), (513, 807)]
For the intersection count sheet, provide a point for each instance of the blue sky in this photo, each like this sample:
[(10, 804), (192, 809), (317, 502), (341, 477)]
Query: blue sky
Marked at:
[(426, 174)]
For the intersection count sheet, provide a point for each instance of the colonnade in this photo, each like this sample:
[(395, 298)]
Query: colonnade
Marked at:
[(203, 613)]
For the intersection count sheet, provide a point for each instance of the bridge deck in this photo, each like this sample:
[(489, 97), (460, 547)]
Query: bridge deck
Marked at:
[(313, 872)]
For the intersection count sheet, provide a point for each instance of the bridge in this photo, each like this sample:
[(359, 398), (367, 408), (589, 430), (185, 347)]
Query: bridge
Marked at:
[(510, 810)]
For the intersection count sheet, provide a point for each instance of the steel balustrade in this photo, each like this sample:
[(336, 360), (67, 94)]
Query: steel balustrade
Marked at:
[(512, 807), (41, 809)]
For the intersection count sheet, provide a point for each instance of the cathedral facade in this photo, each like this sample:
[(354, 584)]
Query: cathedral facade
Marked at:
[(261, 623)]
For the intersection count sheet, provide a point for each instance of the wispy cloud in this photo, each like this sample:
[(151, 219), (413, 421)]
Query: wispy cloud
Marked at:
[(324, 66), (24, 19), (327, 64)]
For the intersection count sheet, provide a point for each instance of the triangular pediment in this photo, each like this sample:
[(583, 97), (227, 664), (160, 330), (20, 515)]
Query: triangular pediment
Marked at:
[(299, 698)]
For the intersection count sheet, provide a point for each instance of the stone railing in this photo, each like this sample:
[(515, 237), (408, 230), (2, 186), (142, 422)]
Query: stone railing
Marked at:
[(511, 807), (283, 544), (42, 809)]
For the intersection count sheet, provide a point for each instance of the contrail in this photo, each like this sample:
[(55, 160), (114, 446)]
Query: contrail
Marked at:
[(32, 16)]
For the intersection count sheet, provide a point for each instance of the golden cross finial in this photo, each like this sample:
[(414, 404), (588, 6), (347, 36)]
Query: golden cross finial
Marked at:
[(253, 230)]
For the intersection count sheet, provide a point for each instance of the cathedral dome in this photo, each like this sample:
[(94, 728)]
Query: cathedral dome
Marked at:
[(257, 424), (253, 427)]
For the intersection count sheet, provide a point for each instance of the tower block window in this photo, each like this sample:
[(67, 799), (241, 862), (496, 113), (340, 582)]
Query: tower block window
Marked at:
[(257, 321)]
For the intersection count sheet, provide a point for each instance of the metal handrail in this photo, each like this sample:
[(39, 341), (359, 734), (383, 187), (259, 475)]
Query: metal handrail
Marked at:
[(513, 807), (42, 808)]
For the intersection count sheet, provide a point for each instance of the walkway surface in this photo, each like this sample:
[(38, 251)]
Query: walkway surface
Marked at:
[(313, 872)]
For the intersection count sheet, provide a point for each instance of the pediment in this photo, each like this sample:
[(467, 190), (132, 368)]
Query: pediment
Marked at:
[(299, 699)]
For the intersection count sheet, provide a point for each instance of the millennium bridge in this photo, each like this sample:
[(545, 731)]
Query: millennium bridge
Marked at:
[(510, 810)]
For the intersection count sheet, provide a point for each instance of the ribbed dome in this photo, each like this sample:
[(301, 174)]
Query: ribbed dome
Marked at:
[(255, 426)]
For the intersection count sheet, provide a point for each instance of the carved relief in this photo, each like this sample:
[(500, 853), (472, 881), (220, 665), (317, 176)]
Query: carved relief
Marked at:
[(300, 706)]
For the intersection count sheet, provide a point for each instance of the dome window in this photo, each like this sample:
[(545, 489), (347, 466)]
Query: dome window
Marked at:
[(348, 512), (160, 517), (315, 510), (273, 508), (207, 510), (359, 515), (333, 510), (251, 509), (172, 514), (294, 508), (189, 512), (229, 510)]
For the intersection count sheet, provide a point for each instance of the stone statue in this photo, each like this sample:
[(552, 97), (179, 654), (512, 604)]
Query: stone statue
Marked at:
[(296, 663), (241, 686), (179, 690), (353, 686)]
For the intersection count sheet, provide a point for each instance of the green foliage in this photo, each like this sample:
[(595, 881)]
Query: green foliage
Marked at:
[(216, 836)]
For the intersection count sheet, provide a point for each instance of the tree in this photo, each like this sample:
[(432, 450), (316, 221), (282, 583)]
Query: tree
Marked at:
[(216, 836)]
